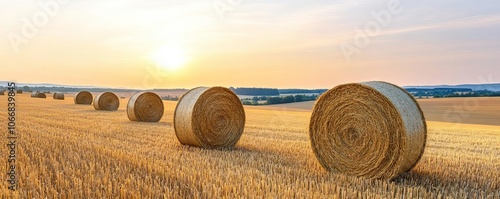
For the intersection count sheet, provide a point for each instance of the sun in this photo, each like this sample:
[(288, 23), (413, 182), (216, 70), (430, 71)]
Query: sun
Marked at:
[(170, 57)]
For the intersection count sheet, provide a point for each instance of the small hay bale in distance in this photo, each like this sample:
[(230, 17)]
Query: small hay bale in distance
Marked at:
[(20, 91), (145, 107), (41, 95), (2, 92), (211, 118), (58, 96), (83, 97), (106, 101), (38, 95), (370, 130)]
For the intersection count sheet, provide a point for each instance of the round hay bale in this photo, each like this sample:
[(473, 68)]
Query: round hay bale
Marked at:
[(209, 118), (145, 107), (58, 96), (41, 95), (2, 92), (370, 130), (83, 97), (106, 101), (34, 94), (20, 91)]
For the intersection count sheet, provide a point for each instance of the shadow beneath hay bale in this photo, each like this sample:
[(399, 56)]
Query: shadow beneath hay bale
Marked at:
[(92, 110), (430, 180), (160, 123), (244, 158)]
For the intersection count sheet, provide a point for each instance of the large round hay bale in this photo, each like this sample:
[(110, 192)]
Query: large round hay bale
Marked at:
[(20, 91), (370, 129), (83, 97), (58, 96), (37, 94), (41, 95), (106, 101), (209, 118), (145, 107)]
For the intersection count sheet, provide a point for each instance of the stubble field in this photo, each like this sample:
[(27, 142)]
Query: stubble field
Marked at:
[(73, 151)]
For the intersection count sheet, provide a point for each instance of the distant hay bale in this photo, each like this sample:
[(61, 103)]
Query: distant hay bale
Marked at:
[(58, 96), (83, 97), (145, 107), (370, 130), (20, 91), (2, 92), (38, 94), (41, 95), (209, 118), (106, 101)]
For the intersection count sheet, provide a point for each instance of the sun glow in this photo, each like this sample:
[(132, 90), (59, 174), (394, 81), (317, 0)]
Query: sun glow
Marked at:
[(170, 57)]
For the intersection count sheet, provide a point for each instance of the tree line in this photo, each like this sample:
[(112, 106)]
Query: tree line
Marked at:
[(278, 100)]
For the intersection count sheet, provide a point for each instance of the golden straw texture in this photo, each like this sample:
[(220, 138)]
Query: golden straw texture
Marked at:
[(83, 97), (145, 107), (58, 96), (209, 118), (106, 101), (371, 130)]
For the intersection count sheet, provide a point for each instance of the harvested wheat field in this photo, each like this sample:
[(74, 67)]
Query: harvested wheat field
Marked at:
[(71, 151)]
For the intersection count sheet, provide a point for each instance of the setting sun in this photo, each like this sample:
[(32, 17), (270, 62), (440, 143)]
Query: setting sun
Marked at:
[(170, 57)]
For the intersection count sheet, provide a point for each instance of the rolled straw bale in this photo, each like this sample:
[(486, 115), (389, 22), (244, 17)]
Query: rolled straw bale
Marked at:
[(83, 97), (2, 92), (20, 91), (370, 130), (34, 94), (41, 95), (106, 101), (145, 107), (58, 96), (209, 118)]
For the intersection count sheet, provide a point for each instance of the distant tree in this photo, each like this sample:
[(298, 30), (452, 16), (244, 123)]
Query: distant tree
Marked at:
[(274, 100), (299, 98), (288, 99)]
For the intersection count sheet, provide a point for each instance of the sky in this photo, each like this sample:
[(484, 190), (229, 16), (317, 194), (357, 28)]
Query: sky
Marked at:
[(282, 44)]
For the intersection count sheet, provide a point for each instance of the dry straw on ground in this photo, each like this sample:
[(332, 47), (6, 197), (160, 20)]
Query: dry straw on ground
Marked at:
[(145, 107), (106, 101), (371, 130), (58, 96), (209, 118), (83, 97)]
